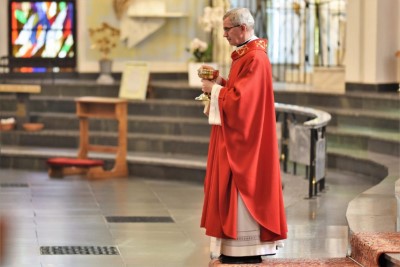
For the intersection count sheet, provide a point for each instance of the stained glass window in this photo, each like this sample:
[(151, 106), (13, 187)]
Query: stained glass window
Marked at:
[(43, 31)]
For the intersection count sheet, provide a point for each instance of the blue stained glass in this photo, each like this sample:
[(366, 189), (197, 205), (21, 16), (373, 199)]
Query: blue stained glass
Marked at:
[(44, 31)]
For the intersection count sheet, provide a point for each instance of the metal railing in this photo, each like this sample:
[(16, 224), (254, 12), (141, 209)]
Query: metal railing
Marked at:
[(302, 140), (302, 34)]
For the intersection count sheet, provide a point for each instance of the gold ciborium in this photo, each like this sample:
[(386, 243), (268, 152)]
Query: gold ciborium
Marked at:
[(207, 73)]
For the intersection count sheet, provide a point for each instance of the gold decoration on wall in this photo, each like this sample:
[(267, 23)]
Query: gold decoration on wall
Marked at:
[(104, 39)]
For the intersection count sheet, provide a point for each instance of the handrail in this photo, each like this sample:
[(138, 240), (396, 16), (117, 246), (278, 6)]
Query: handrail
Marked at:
[(314, 121), (320, 118)]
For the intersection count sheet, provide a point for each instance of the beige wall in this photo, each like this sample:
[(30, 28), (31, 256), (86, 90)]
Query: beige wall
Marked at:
[(165, 50), (373, 31), (373, 36)]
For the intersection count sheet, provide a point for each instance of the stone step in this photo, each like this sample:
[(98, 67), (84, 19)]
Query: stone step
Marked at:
[(188, 168), (359, 138), (151, 107), (171, 122), (138, 142), (345, 160), (26, 157), (374, 165), (188, 129), (362, 101), (180, 89), (158, 88), (374, 120), (136, 124), (191, 112), (82, 88)]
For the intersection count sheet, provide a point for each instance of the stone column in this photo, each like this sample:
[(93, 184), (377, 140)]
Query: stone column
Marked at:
[(372, 39)]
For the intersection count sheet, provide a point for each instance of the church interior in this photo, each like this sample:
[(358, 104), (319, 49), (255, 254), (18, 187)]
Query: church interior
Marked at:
[(103, 146)]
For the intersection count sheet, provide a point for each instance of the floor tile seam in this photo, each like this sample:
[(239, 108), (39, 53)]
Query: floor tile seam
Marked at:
[(165, 206), (93, 194)]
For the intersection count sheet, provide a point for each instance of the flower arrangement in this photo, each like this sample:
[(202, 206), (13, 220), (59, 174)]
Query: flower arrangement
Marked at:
[(104, 39), (201, 51), (212, 18)]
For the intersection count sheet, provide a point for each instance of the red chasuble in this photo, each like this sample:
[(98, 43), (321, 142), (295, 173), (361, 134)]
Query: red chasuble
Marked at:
[(243, 152)]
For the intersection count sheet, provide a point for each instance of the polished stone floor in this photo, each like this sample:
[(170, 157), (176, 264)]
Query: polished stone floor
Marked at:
[(43, 212)]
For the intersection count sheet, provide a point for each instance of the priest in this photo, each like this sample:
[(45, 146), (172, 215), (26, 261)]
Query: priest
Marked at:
[(243, 208)]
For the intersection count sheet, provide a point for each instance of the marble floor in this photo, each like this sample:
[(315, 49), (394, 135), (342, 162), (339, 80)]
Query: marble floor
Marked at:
[(164, 220)]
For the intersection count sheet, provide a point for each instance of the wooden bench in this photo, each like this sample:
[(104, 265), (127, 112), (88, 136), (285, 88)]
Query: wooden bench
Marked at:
[(59, 167), (22, 92)]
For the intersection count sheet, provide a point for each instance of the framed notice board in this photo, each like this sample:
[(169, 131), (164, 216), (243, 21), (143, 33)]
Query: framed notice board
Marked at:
[(134, 82)]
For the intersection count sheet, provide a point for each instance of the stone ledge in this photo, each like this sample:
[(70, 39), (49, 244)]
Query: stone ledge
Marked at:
[(374, 210), (333, 262), (330, 79)]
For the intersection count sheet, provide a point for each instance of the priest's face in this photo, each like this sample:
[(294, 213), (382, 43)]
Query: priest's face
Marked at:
[(235, 34)]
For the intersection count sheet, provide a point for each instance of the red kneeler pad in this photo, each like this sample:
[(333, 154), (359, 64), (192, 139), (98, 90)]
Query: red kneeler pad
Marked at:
[(57, 165), (74, 162)]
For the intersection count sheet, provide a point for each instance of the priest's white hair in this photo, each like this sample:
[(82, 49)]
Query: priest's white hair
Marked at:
[(239, 16)]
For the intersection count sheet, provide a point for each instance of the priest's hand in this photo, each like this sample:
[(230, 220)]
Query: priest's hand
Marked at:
[(207, 86)]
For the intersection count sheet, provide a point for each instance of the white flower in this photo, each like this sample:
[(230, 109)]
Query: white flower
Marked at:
[(199, 45), (200, 50), (211, 19)]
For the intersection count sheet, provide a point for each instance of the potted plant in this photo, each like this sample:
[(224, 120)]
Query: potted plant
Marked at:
[(104, 39), (201, 54)]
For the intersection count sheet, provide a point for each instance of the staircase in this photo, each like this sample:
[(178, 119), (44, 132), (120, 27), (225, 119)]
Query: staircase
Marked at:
[(168, 131), (361, 123), (167, 134)]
